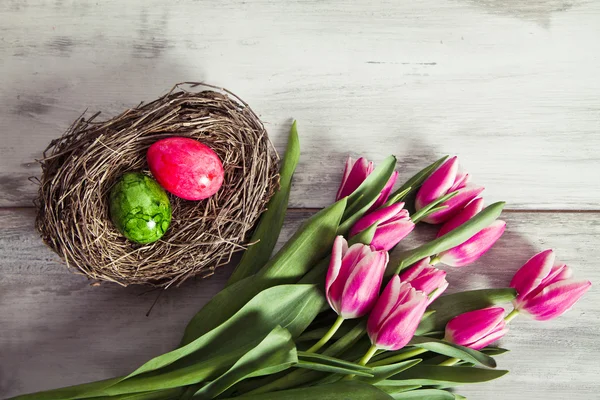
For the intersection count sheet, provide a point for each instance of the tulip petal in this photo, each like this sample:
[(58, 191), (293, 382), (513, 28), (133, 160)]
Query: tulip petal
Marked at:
[(532, 273), (497, 333), (438, 183), (413, 272), (455, 204), (360, 170), (472, 326), (385, 192), (399, 328), (336, 289), (461, 180), (347, 169), (363, 285), (379, 216), (470, 210), (390, 234), (340, 247), (385, 304), (475, 247), (555, 299)]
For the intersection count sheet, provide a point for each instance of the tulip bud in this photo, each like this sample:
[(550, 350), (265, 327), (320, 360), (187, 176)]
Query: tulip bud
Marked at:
[(354, 278), (426, 278), (446, 179), (470, 250), (545, 290), (477, 329), (396, 315), (393, 225), (355, 173)]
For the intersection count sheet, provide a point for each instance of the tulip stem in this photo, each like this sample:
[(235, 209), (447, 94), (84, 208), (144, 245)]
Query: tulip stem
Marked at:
[(511, 315), (449, 362), (399, 357), (336, 325), (370, 353)]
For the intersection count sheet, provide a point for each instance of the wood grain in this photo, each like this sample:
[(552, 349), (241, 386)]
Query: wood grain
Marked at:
[(58, 330), (510, 86)]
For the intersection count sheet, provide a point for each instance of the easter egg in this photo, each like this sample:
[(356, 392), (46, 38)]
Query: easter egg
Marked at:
[(140, 208), (185, 167)]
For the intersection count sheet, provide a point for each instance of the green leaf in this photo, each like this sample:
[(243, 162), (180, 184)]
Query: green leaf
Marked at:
[(343, 390), (396, 388), (311, 243), (449, 306), (348, 340), (435, 375), (275, 353), (397, 197), (424, 394), (367, 193), (453, 350), (327, 360), (385, 371), (70, 392), (427, 323), (432, 207), (169, 394), (269, 226), (494, 351), (331, 369), (292, 307), (459, 397), (451, 239), (415, 182)]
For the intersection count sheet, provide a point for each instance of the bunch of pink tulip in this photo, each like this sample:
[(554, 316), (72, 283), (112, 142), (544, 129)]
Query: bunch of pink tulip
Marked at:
[(356, 273)]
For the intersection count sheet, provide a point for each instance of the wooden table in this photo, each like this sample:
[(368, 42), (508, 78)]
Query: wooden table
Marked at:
[(511, 87)]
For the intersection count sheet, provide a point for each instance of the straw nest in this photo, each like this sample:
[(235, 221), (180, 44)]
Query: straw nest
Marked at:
[(79, 169)]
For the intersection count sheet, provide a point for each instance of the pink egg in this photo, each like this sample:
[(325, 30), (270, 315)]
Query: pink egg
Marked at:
[(185, 167)]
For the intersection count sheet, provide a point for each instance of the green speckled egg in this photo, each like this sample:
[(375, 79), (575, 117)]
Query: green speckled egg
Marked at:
[(139, 208)]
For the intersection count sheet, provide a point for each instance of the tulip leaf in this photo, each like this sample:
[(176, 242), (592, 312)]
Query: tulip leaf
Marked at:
[(342, 390), (449, 306), (70, 392), (328, 360), (348, 340), (397, 389), (309, 244), (269, 226), (277, 352), (427, 323), (367, 194), (417, 180), (292, 307), (494, 351), (331, 369), (424, 394), (432, 207), (451, 239), (397, 197), (385, 371), (435, 375), (453, 350), (169, 394)]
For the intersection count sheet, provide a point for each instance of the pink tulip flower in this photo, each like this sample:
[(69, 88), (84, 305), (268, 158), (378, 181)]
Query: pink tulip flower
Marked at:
[(477, 245), (446, 179), (396, 316), (393, 225), (546, 290), (477, 329), (354, 278), (355, 173), (426, 278)]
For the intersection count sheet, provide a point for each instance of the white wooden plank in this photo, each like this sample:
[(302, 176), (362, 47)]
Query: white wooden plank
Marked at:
[(57, 330), (510, 86)]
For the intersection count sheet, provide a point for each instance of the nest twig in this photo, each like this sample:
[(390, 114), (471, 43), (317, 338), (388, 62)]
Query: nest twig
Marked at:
[(79, 169)]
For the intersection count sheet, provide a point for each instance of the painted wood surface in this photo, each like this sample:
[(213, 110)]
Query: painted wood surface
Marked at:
[(510, 86), (57, 330)]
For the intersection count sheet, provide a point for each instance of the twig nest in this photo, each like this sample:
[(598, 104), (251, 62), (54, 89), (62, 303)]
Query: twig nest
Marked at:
[(80, 169)]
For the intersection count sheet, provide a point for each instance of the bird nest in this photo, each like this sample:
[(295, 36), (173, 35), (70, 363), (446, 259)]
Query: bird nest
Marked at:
[(79, 169)]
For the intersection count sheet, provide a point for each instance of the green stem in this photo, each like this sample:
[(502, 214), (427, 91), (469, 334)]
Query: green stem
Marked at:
[(511, 315), (399, 357), (449, 362), (336, 325), (364, 360)]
